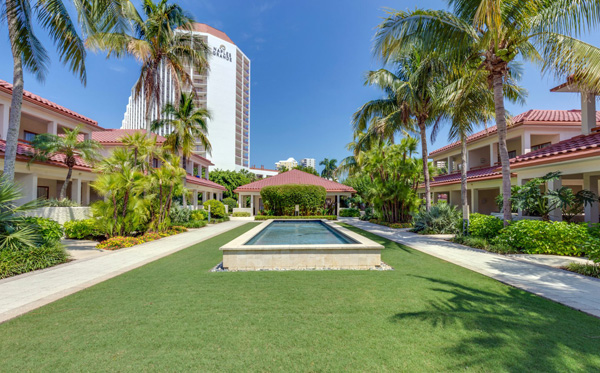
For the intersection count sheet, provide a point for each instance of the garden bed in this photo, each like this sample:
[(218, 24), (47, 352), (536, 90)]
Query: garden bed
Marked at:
[(266, 217)]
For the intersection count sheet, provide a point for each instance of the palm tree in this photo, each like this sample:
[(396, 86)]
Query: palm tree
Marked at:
[(47, 145), (143, 146), (29, 53), (330, 165), (163, 42), (188, 125), (492, 34), (412, 101)]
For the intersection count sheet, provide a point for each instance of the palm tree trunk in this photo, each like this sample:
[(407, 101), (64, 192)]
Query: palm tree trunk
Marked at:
[(504, 159), (463, 180), (425, 155), (63, 190), (14, 119)]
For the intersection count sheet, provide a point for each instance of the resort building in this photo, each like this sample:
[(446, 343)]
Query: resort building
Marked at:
[(539, 142), (263, 172), (44, 180), (335, 190), (309, 162), (224, 90), (287, 164)]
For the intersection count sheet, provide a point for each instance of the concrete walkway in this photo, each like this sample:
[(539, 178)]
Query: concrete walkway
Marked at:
[(23, 293), (573, 290)]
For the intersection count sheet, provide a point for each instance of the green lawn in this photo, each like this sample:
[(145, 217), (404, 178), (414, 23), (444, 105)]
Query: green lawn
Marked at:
[(426, 315)]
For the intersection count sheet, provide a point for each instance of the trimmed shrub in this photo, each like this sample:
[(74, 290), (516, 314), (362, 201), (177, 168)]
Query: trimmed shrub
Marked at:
[(265, 217), (484, 244), (547, 237), (592, 270), (282, 199), (199, 215), (217, 209), (442, 218), (180, 215), (241, 214), (50, 231), (219, 220), (14, 262), (195, 224), (80, 229), (231, 203), (484, 226), (350, 212)]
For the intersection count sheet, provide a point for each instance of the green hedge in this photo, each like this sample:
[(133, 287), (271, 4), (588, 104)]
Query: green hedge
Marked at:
[(282, 199), (350, 213), (14, 262), (241, 214), (547, 237), (232, 203), (80, 229), (265, 217), (217, 209), (485, 226)]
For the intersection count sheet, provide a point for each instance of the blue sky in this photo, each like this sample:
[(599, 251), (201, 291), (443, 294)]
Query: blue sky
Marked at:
[(308, 62)]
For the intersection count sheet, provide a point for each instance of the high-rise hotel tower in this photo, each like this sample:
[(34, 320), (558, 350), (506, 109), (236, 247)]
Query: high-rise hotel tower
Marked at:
[(224, 90)]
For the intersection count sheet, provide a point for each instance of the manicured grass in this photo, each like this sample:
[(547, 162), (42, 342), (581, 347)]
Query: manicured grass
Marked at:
[(426, 315)]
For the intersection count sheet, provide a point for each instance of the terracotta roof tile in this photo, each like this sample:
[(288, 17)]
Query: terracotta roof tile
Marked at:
[(201, 27), (203, 182), (574, 146), (549, 117), (24, 152), (295, 177), (472, 175), (113, 136), (40, 101)]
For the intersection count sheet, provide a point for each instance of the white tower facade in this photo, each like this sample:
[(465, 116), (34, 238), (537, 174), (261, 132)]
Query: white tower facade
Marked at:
[(224, 90)]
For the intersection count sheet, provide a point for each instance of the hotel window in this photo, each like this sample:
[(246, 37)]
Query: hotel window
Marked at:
[(540, 146), (512, 154), (29, 136), (43, 192), (154, 163)]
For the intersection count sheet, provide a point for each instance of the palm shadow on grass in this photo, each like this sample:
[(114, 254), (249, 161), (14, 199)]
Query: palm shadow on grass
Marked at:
[(539, 330)]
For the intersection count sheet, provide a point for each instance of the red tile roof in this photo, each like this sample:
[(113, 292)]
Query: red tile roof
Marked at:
[(472, 175), (201, 27), (40, 101), (263, 169), (203, 182), (202, 159), (576, 147), (546, 117), (113, 136), (295, 177), (25, 151)]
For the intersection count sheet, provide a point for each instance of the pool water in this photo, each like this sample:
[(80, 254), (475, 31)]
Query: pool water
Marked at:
[(304, 232)]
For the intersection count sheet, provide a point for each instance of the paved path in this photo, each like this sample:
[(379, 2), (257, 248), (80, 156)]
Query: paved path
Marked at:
[(23, 293), (82, 249), (576, 291)]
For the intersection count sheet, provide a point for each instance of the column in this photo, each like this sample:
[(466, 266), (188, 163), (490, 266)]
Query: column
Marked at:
[(4, 110), (85, 193), (526, 142), (493, 154), (556, 214), (240, 198), (474, 200), (28, 184), (52, 128), (592, 212), (195, 199), (76, 190), (449, 198), (252, 204), (450, 165), (337, 204), (588, 112), (206, 173)]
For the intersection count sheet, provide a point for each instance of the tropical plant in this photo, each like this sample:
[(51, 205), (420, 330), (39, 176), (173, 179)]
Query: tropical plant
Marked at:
[(143, 147), (350, 212), (68, 145), (442, 218), (231, 203), (492, 34), (485, 226), (80, 229), (16, 232), (329, 167), (231, 180), (30, 54), (163, 42), (282, 199), (180, 215), (217, 209)]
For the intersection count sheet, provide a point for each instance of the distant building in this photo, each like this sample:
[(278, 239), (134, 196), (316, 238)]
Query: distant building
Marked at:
[(287, 164), (309, 162), (224, 91), (263, 172)]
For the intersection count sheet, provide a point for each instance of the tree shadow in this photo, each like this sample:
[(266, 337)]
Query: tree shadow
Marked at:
[(510, 330)]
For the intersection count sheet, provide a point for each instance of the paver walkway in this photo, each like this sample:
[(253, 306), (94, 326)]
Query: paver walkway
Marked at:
[(573, 290), (28, 291)]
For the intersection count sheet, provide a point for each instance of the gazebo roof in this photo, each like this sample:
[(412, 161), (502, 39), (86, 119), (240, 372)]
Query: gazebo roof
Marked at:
[(295, 177)]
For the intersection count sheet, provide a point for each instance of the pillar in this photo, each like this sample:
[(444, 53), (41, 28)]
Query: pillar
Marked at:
[(28, 184), (588, 112), (252, 204), (206, 173), (474, 200), (195, 199), (4, 110), (493, 154), (592, 212), (52, 128), (76, 190), (240, 197), (526, 142), (556, 214), (337, 204), (85, 193), (450, 165)]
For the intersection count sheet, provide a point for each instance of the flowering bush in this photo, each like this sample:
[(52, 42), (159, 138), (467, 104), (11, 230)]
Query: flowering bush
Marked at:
[(120, 242)]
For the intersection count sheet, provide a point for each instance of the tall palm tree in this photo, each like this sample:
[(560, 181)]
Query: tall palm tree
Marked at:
[(162, 42), (493, 33), (30, 54), (188, 124), (47, 145), (330, 165), (143, 145), (412, 101)]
